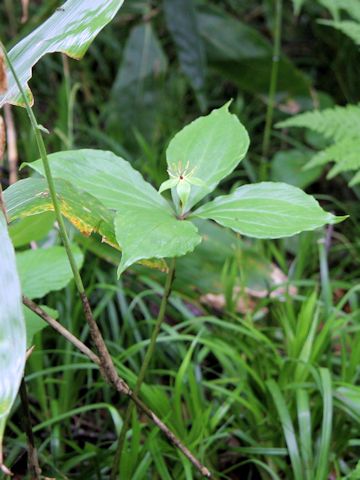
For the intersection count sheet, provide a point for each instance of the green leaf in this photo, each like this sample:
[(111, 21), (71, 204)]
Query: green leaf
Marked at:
[(323, 466), (151, 231), (298, 5), (347, 27), (335, 123), (288, 167), (182, 23), (31, 197), (211, 147), (109, 178), (45, 269), (288, 429), (70, 30), (34, 324), (139, 85), (31, 229), (244, 56), (12, 329), (267, 210), (140, 208)]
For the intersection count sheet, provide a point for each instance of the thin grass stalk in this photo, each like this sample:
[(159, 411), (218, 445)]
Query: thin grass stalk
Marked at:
[(139, 403), (143, 370), (272, 89)]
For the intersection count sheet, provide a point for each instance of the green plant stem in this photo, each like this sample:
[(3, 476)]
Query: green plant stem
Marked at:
[(144, 368), (272, 89), (105, 361)]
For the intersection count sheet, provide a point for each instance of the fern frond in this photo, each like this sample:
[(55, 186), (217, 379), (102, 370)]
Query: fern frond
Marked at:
[(352, 8), (345, 153), (347, 27), (355, 180), (335, 124)]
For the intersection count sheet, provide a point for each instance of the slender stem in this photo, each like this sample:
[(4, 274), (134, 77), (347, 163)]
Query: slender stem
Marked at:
[(33, 460), (272, 88), (61, 330), (142, 406), (51, 184), (144, 368), (105, 361)]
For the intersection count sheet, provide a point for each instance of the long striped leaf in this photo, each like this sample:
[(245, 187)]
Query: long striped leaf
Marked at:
[(70, 30), (12, 328)]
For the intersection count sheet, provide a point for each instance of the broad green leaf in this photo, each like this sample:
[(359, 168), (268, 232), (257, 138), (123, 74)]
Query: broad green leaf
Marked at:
[(151, 231), (267, 210), (182, 23), (288, 167), (137, 92), (31, 229), (141, 211), (242, 55), (298, 5), (45, 269), (70, 30), (31, 197), (109, 178), (218, 247), (34, 324), (12, 329), (210, 148)]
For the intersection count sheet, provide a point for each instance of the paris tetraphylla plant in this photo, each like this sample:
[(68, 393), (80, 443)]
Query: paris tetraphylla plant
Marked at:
[(181, 178)]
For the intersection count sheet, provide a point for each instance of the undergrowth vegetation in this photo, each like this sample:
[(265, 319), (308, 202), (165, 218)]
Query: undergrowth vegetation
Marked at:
[(240, 357)]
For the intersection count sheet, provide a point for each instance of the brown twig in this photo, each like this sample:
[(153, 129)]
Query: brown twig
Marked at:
[(110, 374)]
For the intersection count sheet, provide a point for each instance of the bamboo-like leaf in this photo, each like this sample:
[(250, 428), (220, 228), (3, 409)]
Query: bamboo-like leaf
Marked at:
[(70, 30), (137, 93), (182, 23), (12, 329)]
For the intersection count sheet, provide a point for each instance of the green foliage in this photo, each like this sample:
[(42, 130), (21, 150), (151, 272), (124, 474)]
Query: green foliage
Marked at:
[(183, 25), (45, 270), (340, 126), (256, 372), (137, 90), (212, 147), (12, 328), (288, 167), (267, 210), (70, 30)]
